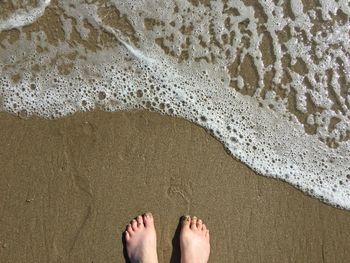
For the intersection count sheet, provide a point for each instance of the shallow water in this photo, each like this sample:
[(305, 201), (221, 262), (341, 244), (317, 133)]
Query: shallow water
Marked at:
[(270, 79)]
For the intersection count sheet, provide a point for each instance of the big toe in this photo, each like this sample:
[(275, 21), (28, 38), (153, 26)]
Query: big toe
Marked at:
[(185, 221), (148, 219)]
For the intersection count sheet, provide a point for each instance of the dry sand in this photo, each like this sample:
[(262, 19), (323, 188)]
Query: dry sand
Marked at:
[(68, 187)]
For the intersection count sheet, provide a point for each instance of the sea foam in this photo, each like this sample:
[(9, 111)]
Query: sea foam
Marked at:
[(269, 80)]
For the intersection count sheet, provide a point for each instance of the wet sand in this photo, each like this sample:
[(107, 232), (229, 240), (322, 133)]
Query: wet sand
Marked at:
[(69, 186)]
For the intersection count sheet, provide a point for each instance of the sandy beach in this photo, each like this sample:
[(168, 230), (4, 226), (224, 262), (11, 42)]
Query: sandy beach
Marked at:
[(69, 186)]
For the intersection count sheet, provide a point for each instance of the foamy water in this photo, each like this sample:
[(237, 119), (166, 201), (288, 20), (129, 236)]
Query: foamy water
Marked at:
[(270, 80)]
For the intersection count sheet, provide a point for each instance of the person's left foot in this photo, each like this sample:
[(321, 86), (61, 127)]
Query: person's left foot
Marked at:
[(141, 242)]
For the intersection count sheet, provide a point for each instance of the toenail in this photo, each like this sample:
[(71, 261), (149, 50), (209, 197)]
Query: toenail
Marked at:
[(186, 218), (148, 215)]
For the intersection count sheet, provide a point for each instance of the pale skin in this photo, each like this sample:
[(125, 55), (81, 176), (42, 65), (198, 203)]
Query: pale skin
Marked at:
[(141, 241)]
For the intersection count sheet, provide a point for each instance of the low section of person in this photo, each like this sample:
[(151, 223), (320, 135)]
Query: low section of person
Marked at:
[(141, 241)]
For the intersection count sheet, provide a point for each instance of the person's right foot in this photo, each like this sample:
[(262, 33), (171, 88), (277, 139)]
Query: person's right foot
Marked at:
[(194, 241)]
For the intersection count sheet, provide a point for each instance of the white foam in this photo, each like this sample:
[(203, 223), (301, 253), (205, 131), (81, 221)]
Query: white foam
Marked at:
[(22, 18), (128, 76)]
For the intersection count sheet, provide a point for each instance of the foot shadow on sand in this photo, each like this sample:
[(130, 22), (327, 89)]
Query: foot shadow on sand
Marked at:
[(176, 254)]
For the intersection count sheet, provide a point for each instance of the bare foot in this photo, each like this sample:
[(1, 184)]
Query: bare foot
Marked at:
[(141, 242), (194, 241)]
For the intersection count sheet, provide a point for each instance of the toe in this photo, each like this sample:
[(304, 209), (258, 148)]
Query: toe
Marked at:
[(194, 223), (185, 221), (127, 236), (129, 229), (139, 220), (199, 224), (204, 227), (134, 224), (207, 234), (148, 219)]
